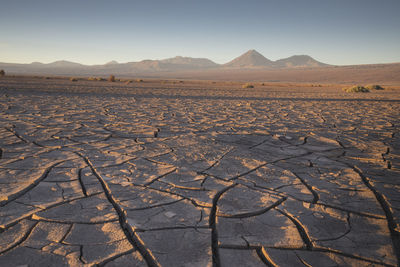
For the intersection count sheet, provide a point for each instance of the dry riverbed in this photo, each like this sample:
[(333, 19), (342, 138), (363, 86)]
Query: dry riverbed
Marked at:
[(182, 173)]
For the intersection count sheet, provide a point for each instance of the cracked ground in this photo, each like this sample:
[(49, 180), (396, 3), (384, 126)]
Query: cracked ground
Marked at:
[(197, 178)]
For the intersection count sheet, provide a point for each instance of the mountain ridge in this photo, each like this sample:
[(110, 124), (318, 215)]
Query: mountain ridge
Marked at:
[(248, 60), (299, 61), (251, 58)]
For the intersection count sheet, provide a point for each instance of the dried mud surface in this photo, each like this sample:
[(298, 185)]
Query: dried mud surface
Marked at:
[(112, 175)]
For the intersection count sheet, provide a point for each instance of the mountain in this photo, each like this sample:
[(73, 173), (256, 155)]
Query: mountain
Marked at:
[(63, 67), (189, 61), (165, 65), (112, 62), (250, 59), (299, 61), (174, 64), (63, 63)]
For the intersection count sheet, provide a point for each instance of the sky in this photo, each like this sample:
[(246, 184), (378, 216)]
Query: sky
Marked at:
[(339, 32)]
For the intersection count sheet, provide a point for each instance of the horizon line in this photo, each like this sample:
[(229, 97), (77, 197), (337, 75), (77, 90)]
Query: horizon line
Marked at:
[(177, 56)]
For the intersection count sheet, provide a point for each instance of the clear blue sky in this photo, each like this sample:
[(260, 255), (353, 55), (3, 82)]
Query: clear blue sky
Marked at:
[(338, 32)]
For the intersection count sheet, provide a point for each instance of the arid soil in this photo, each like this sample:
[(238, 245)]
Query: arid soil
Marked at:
[(376, 73), (186, 173)]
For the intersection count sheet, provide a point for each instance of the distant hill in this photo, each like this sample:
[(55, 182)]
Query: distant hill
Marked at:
[(112, 62), (299, 61), (131, 68), (250, 59), (292, 69), (192, 62), (62, 64), (173, 64)]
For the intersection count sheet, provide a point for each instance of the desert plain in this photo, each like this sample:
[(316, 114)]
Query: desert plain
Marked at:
[(197, 173)]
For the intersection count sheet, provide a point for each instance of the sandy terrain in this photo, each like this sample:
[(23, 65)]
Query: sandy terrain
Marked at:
[(374, 73), (197, 173)]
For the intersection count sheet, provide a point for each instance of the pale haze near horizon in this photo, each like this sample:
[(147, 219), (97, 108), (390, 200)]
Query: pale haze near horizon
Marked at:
[(95, 32)]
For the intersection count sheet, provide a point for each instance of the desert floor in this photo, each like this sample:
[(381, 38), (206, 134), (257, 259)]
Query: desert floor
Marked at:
[(197, 173)]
